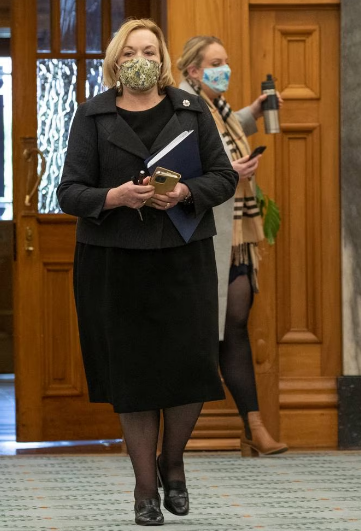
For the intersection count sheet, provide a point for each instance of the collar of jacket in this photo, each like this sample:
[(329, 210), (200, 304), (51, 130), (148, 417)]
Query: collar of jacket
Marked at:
[(104, 103), (123, 136)]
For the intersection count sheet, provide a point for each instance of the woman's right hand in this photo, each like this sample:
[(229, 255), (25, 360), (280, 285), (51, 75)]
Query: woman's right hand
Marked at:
[(245, 167), (129, 194)]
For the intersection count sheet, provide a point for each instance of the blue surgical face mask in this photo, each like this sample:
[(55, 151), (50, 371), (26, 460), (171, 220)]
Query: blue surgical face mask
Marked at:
[(217, 78)]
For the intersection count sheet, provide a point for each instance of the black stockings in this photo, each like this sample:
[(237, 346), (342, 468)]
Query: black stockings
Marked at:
[(140, 431), (141, 435), (235, 351)]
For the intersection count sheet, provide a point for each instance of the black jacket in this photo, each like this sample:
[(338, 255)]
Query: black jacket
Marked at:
[(104, 152)]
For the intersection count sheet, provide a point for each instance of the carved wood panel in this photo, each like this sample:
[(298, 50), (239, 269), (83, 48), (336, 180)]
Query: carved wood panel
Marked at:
[(62, 360), (298, 46), (299, 244), (297, 61)]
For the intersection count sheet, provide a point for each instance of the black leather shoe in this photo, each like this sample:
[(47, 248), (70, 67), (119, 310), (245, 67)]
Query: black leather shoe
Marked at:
[(176, 499), (147, 512)]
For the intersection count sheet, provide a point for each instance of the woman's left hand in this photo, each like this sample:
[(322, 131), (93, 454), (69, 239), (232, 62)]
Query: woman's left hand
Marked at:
[(169, 200), (256, 106)]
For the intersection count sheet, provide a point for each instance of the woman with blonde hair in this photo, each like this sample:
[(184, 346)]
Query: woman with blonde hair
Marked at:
[(146, 299), (205, 70)]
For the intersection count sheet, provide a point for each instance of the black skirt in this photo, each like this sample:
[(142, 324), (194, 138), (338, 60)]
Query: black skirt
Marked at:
[(148, 324)]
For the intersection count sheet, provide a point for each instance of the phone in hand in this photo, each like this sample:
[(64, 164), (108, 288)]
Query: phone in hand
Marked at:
[(258, 151), (163, 181)]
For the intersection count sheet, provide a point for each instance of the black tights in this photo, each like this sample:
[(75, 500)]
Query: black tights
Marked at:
[(236, 361), (141, 431)]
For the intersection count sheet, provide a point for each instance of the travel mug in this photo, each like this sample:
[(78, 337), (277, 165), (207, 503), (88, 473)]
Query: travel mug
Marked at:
[(270, 106)]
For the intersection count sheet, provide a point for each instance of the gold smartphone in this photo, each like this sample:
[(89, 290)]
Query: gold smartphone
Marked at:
[(163, 181)]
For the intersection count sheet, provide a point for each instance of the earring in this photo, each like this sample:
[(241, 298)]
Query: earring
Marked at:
[(119, 88)]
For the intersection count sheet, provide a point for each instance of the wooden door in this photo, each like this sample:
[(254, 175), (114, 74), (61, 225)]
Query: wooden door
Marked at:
[(57, 48), (296, 320), (300, 45)]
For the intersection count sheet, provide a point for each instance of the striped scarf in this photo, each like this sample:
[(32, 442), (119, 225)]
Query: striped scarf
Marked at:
[(247, 221)]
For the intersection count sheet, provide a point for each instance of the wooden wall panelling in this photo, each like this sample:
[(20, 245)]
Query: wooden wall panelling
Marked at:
[(264, 312), (309, 412), (329, 117), (299, 244), (307, 190), (300, 360), (316, 428), (225, 19), (297, 61), (62, 361), (77, 420)]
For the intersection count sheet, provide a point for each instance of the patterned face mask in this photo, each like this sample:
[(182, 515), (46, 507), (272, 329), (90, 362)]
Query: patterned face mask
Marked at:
[(139, 74), (217, 78)]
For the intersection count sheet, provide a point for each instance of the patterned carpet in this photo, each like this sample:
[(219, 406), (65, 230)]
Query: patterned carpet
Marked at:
[(318, 491)]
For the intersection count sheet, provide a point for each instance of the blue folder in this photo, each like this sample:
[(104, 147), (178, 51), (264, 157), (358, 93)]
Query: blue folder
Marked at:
[(185, 159)]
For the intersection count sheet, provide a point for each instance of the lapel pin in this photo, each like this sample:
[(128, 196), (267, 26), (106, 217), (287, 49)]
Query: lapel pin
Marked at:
[(186, 103)]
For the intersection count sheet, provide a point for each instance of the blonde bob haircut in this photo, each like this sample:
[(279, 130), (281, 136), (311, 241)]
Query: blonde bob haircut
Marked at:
[(117, 44), (193, 52)]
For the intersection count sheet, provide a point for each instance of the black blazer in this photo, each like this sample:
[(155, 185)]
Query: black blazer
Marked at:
[(104, 152)]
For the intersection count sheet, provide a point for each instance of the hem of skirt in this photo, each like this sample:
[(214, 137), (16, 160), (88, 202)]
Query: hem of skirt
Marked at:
[(139, 408)]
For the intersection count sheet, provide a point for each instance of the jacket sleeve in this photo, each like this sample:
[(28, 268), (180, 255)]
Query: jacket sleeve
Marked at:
[(247, 121), (219, 181), (78, 193)]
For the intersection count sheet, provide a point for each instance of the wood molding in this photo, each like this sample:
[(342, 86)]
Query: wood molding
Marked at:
[(217, 426), (300, 360), (309, 416), (308, 393), (299, 244), (61, 352), (297, 61), (213, 445), (309, 428), (56, 218)]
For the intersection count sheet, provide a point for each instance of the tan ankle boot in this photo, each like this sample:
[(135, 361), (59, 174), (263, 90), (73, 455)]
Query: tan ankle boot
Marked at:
[(262, 442)]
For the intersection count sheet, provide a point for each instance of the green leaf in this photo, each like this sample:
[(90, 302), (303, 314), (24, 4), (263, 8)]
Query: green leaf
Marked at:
[(270, 214), (271, 222), (260, 200)]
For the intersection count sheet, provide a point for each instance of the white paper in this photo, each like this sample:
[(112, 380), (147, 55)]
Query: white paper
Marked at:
[(169, 147)]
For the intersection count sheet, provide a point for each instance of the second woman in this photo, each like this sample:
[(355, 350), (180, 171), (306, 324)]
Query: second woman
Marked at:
[(204, 67)]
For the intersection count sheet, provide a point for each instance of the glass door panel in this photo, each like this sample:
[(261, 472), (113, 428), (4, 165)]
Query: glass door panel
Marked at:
[(6, 170), (68, 23), (44, 23), (93, 84), (93, 26), (56, 95), (72, 36)]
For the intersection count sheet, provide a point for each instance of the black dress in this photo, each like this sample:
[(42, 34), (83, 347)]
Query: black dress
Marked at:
[(148, 319)]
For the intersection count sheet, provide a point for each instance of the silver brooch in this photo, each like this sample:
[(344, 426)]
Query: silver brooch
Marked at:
[(186, 103)]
